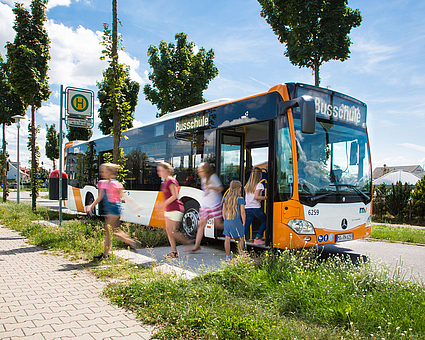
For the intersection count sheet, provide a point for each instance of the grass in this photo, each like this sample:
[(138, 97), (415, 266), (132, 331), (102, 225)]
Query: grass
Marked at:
[(398, 234), (283, 295), (277, 295), (78, 236)]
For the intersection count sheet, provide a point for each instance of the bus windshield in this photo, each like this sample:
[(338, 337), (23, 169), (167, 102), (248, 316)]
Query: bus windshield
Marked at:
[(333, 163)]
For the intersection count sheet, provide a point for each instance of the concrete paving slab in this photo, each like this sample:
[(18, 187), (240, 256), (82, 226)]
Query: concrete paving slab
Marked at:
[(47, 297)]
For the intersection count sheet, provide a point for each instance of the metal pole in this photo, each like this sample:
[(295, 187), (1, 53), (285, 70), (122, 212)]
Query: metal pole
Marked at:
[(60, 157), (18, 176)]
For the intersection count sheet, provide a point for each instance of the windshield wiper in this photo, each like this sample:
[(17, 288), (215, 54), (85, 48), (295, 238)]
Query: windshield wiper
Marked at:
[(365, 198)]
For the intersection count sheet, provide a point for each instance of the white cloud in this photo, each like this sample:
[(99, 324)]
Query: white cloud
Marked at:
[(50, 112), (414, 146), (6, 26), (134, 64), (74, 55), (137, 123), (372, 54)]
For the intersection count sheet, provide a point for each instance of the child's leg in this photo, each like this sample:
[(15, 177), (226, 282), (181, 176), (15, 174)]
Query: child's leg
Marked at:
[(169, 228), (262, 217), (248, 221), (108, 231), (240, 241), (218, 223), (227, 245), (200, 233)]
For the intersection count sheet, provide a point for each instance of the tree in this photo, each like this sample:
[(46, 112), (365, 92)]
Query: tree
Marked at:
[(313, 31), (418, 197), (179, 76), (380, 194), (77, 133), (130, 92), (10, 105), (52, 144), (28, 58), (113, 90), (398, 198)]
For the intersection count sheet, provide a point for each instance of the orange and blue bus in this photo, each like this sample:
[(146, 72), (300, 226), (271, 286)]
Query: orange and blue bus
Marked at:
[(312, 144)]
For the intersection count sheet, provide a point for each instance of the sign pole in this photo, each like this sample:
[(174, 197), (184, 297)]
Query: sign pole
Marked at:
[(60, 156)]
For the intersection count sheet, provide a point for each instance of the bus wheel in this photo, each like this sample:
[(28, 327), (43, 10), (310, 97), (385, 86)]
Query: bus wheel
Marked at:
[(90, 200), (190, 219)]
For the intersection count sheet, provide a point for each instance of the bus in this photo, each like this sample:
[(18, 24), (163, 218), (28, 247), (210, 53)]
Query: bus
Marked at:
[(312, 144)]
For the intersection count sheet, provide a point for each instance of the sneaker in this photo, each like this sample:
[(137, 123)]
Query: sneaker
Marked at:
[(259, 241), (100, 257), (172, 255), (228, 258)]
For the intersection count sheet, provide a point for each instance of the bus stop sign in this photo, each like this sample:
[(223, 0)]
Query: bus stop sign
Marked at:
[(79, 102), (79, 108)]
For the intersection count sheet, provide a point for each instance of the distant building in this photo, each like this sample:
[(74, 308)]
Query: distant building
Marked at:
[(397, 176), (24, 173), (416, 170)]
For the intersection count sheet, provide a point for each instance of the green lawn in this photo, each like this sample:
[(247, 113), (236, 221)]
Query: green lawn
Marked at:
[(398, 234)]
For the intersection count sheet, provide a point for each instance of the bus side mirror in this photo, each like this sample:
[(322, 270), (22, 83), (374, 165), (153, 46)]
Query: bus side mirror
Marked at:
[(307, 109), (308, 114)]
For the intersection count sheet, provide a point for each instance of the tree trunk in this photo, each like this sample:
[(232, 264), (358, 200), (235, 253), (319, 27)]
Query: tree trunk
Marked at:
[(316, 73), (33, 162), (116, 116), (4, 177)]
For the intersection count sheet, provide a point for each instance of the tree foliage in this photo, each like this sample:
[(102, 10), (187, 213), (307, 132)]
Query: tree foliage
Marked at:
[(52, 144), (10, 105), (179, 75), (130, 93), (78, 133), (118, 94), (398, 198), (418, 197), (314, 31), (27, 59)]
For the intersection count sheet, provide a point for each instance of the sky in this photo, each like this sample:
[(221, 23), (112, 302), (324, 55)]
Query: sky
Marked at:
[(386, 68)]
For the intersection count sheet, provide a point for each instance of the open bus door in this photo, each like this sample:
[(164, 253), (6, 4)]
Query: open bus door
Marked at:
[(239, 149)]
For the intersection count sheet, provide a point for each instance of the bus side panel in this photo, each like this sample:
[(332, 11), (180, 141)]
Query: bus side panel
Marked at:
[(141, 207)]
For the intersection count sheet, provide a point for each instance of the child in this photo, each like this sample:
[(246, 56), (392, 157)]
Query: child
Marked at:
[(234, 218), (253, 209), (173, 207), (110, 191), (211, 204)]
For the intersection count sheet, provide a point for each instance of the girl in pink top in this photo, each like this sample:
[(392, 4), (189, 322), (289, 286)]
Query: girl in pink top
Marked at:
[(110, 191), (173, 207)]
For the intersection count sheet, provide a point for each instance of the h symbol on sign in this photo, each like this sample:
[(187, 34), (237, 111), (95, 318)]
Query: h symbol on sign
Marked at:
[(79, 103)]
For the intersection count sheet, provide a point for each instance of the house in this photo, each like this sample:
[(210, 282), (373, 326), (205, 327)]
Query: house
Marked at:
[(24, 173), (416, 170)]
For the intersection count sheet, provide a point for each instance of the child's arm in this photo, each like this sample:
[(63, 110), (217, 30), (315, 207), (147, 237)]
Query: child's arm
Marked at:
[(258, 197), (243, 215), (90, 207)]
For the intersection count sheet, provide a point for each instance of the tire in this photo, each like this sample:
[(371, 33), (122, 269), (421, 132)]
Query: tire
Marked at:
[(90, 200), (190, 220)]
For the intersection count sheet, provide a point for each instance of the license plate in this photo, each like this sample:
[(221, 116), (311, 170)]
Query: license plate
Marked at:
[(344, 237)]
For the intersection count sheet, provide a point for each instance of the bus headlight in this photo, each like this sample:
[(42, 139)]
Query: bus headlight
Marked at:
[(301, 226), (368, 222)]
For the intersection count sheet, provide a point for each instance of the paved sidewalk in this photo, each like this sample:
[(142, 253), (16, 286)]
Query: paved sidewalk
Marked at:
[(43, 296)]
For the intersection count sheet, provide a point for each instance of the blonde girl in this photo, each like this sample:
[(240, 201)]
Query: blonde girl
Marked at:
[(211, 203), (253, 200), (234, 218), (173, 207), (110, 191)]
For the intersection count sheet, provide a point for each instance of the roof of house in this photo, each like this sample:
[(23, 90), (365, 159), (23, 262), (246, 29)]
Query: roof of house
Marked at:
[(397, 176), (379, 171)]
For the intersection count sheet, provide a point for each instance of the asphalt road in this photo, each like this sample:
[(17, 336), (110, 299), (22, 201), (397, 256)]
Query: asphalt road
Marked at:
[(401, 259)]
